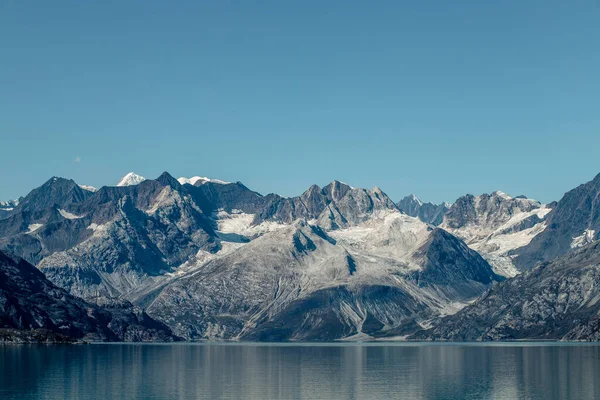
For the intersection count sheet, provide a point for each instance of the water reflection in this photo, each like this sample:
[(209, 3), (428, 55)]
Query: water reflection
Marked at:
[(262, 371)]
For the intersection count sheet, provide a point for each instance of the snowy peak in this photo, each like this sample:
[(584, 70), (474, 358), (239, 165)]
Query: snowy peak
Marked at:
[(131, 179), (200, 180), (8, 205), (88, 188)]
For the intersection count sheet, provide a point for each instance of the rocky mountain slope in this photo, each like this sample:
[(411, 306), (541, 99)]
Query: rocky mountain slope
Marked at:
[(31, 303), (557, 300), (497, 226), (573, 222), (214, 259), (426, 212), (211, 259), (380, 278)]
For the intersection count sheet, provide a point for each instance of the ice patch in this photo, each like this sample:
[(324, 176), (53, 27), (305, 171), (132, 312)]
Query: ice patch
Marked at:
[(68, 215), (95, 227), (586, 237), (389, 235), (34, 227), (240, 223), (494, 245)]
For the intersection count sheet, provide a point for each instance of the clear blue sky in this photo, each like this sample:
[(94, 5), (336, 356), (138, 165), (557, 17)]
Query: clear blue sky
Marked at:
[(439, 98)]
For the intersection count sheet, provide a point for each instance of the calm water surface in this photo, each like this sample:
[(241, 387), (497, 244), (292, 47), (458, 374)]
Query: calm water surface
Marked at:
[(297, 371)]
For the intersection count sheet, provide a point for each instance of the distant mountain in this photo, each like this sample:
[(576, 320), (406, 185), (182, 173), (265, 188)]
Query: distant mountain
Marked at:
[(426, 212), (177, 250), (211, 259), (34, 309), (201, 180), (131, 179), (6, 207), (57, 192), (557, 300), (496, 225)]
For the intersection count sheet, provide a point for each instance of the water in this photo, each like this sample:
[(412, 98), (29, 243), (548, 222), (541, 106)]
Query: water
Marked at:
[(297, 371)]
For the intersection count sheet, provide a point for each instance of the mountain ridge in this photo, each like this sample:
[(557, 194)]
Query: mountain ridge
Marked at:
[(215, 260)]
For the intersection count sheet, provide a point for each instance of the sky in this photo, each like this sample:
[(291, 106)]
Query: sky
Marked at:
[(436, 98)]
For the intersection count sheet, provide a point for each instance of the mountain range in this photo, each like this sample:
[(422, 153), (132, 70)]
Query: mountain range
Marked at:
[(200, 258)]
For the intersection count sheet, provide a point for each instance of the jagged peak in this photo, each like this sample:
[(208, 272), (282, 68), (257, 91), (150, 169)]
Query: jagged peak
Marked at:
[(168, 180), (413, 198), (336, 190), (500, 193), (58, 180), (131, 179)]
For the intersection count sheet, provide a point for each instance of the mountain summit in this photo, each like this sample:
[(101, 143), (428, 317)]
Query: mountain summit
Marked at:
[(131, 179)]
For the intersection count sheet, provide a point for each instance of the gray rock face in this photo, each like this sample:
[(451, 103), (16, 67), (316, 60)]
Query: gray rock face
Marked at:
[(335, 206), (299, 283), (557, 300), (56, 192), (32, 309), (496, 225), (108, 242), (573, 222), (486, 210), (426, 212), (215, 260), (112, 240)]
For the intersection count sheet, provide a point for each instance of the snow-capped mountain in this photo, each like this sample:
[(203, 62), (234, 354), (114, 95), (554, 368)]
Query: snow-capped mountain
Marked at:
[(131, 179), (180, 250), (383, 277), (215, 260), (557, 295), (496, 225)]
